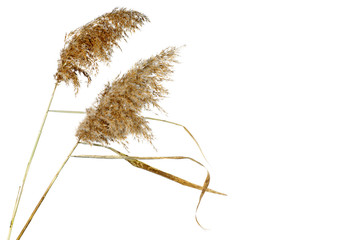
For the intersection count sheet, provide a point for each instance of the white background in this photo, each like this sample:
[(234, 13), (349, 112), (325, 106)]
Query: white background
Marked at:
[(270, 89)]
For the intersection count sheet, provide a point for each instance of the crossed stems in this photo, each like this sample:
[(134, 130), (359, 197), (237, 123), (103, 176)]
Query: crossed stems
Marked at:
[(21, 188), (134, 161)]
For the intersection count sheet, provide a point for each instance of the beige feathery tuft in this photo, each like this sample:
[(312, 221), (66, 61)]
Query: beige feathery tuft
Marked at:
[(117, 112), (94, 42)]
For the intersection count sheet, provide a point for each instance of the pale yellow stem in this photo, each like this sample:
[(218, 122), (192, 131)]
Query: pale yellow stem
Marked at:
[(28, 166), (67, 111), (46, 192)]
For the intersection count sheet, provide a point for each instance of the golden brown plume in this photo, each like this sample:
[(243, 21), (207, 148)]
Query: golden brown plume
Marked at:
[(94, 42), (117, 111)]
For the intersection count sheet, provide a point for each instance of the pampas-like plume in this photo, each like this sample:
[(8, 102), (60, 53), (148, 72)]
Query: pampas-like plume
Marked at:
[(94, 42), (117, 111)]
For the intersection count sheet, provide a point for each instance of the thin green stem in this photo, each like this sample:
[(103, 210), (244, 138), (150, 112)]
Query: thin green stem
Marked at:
[(28, 166), (46, 192)]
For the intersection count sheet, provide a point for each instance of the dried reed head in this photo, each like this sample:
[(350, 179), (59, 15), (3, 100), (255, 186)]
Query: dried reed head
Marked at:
[(117, 111), (94, 42)]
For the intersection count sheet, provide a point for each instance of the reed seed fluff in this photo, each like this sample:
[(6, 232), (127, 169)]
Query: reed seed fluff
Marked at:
[(93, 43), (116, 114)]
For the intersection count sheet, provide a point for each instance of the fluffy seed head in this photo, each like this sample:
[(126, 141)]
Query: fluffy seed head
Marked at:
[(93, 43), (116, 114)]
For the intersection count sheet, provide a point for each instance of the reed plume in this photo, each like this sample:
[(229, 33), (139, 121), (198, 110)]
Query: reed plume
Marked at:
[(116, 114), (94, 42)]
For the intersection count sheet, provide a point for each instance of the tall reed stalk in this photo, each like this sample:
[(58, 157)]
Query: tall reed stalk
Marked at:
[(29, 164), (46, 192), (84, 48)]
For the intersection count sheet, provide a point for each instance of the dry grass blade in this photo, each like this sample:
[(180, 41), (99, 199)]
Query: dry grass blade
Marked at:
[(204, 187), (153, 170), (94, 42), (185, 128), (136, 163), (159, 172)]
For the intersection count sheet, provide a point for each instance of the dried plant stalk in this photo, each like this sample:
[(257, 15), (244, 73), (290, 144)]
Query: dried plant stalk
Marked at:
[(84, 48), (21, 188), (46, 192), (94, 42), (117, 111)]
